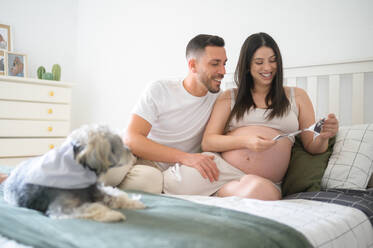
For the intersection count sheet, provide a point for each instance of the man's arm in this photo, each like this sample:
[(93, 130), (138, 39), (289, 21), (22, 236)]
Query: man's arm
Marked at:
[(136, 140)]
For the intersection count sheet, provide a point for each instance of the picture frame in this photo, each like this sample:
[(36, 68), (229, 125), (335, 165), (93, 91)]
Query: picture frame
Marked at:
[(16, 64), (5, 37), (2, 63)]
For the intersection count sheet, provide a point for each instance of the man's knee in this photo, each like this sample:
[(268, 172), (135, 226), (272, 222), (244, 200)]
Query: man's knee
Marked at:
[(179, 183), (187, 182), (144, 178)]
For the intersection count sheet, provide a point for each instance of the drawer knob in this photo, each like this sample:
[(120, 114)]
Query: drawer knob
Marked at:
[(50, 111), (51, 146), (51, 93), (50, 129)]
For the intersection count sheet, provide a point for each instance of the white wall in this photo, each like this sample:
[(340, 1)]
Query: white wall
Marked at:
[(125, 44), (121, 45), (45, 30)]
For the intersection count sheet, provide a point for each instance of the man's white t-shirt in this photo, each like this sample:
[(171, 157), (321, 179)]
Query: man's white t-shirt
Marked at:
[(178, 118)]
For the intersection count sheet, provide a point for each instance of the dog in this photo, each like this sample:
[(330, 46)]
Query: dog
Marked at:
[(63, 183)]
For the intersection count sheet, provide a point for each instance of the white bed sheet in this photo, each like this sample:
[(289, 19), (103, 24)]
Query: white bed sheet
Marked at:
[(7, 243), (323, 224)]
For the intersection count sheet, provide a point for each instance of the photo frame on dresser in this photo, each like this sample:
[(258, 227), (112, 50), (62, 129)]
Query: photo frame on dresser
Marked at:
[(16, 64), (5, 37), (2, 63)]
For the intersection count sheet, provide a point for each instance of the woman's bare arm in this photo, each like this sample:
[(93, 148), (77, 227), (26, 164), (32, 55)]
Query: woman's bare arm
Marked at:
[(137, 141), (214, 138), (307, 117)]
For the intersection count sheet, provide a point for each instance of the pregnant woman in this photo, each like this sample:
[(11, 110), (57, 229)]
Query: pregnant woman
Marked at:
[(244, 122)]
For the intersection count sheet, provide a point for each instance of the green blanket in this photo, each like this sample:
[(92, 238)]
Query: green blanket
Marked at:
[(166, 222)]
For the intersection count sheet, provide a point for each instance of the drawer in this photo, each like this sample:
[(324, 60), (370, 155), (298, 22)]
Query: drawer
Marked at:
[(26, 128), (34, 111), (34, 93), (27, 147), (12, 161)]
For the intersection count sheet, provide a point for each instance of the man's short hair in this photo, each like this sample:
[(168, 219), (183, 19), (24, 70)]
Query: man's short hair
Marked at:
[(197, 44)]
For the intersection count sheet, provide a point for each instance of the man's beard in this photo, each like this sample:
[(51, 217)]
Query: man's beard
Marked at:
[(207, 82), (212, 90)]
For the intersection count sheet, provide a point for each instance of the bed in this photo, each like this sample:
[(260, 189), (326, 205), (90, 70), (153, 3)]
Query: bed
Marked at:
[(328, 198)]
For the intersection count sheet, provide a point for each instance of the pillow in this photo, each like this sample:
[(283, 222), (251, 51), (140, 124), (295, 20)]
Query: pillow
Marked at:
[(351, 163), (305, 170)]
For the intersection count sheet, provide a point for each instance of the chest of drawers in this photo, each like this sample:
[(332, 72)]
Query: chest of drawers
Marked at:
[(34, 117)]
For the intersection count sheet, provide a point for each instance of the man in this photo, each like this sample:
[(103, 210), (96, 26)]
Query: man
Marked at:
[(168, 122)]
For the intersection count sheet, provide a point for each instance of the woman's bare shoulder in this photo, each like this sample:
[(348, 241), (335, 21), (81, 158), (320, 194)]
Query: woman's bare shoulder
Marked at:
[(227, 94), (298, 92)]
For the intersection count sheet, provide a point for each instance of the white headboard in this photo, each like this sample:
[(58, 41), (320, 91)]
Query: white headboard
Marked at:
[(344, 88)]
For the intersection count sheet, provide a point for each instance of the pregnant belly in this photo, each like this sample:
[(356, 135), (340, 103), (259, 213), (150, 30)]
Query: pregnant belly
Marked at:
[(271, 164)]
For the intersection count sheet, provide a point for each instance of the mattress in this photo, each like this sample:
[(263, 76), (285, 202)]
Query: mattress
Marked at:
[(334, 218), (324, 224)]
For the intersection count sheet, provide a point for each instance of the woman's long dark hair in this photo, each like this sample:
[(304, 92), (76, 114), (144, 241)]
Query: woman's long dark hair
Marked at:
[(276, 99)]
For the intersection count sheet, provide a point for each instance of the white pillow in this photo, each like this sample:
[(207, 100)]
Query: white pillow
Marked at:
[(351, 164)]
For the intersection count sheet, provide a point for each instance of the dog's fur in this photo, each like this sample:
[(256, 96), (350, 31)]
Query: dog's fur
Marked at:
[(99, 149)]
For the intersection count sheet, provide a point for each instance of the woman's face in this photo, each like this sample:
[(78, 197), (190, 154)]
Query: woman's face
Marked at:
[(263, 66)]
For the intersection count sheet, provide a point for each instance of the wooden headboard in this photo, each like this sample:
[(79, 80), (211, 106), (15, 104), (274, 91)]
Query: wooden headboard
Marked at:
[(344, 88)]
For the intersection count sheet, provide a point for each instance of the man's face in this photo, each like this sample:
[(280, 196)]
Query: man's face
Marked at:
[(210, 67)]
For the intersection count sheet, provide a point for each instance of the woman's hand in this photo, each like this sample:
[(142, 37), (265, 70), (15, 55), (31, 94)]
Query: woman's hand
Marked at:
[(259, 144), (330, 127)]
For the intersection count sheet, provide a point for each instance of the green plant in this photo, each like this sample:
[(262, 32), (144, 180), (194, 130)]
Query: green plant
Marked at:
[(40, 72), (56, 71), (47, 76), (54, 75)]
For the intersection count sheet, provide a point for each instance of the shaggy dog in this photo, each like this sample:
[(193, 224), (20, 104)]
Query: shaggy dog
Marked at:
[(63, 183)]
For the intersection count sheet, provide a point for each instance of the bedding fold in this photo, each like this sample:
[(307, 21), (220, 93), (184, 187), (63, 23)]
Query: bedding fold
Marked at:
[(167, 222), (359, 199)]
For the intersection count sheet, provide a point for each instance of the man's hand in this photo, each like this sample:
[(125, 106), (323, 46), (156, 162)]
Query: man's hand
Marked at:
[(259, 144), (203, 163)]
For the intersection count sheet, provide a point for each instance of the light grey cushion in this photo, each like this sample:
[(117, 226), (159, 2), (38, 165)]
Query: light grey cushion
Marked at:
[(351, 164)]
